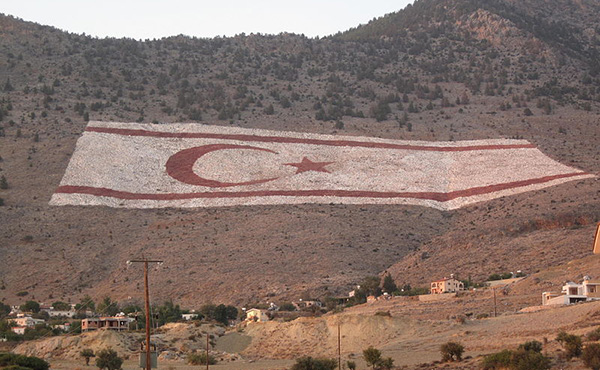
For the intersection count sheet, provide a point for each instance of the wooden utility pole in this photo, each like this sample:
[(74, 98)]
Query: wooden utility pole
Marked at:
[(207, 361), (495, 311), (339, 348), (147, 302)]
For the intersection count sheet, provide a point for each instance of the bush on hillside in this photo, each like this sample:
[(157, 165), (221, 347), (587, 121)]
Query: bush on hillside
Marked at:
[(200, 359), (533, 346), (108, 359), (591, 356), (309, 363), (452, 351), (571, 343), (516, 360), (593, 335), (21, 361)]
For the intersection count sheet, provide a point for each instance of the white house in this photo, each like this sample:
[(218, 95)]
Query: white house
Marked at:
[(27, 321), (256, 315), (189, 316), (447, 285), (18, 329), (588, 290)]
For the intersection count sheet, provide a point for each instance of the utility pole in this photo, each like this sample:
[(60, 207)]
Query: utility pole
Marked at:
[(339, 348), (145, 261), (207, 342), (495, 311)]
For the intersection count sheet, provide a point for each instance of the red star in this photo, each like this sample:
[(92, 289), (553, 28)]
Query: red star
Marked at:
[(308, 165)]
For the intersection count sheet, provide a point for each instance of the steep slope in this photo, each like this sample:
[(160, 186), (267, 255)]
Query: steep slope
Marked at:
[(469, 72)]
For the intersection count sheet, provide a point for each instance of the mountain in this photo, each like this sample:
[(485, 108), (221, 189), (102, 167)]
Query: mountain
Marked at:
[(437, 70)]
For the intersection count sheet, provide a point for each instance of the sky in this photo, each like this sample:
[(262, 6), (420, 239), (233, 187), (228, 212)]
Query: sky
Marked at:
[(148, 19)]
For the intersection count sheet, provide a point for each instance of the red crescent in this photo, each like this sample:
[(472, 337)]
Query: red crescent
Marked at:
[(180, 165)]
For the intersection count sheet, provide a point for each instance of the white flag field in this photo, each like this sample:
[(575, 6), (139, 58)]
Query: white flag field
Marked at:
[(193, 165)]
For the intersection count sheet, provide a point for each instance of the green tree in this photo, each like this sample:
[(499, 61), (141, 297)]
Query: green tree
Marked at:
[(388, 284), (87, 353), (61, 306), (107, 307), (168, 312), (571, 343), (452, 351), (86, 303), (309, 363), (108, 359), (372, 356), (591, 356), (30, 306), (287, 306), (11, 360), (4, 310)]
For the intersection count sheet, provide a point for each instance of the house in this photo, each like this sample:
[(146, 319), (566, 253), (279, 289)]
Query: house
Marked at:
[(66, 327), (27, 321), (447, 285), (118, 323), (55, 313), (18, 329), (588, 290), (189, 316), (256, 315), (304, 304)]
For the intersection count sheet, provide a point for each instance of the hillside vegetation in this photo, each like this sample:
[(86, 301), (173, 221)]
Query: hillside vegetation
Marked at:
[(437, 70)]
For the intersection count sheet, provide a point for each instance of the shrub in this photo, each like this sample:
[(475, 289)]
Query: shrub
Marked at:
[(571, 343), (451, 351), (309, 363), (3, 182), (529, 360), (108, 359), (493, 277), (386, 363), (87, 353), (20, 361), (593, 335), (516, 360), (372, 356), (200, 359), (533, 346), (351, 365), (287, 306), (383, 313), (591, 356), (499, 360)]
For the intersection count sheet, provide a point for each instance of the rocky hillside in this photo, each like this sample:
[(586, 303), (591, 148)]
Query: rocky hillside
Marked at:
[(438, 70)]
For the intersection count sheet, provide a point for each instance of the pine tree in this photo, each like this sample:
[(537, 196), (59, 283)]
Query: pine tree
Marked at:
[(389, 285)]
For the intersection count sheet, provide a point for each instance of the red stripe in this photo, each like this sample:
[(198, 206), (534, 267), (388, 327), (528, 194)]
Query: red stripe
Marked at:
[(436, 196), (294, 140)]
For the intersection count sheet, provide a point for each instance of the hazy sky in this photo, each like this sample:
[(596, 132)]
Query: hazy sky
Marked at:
[(141, 19)]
